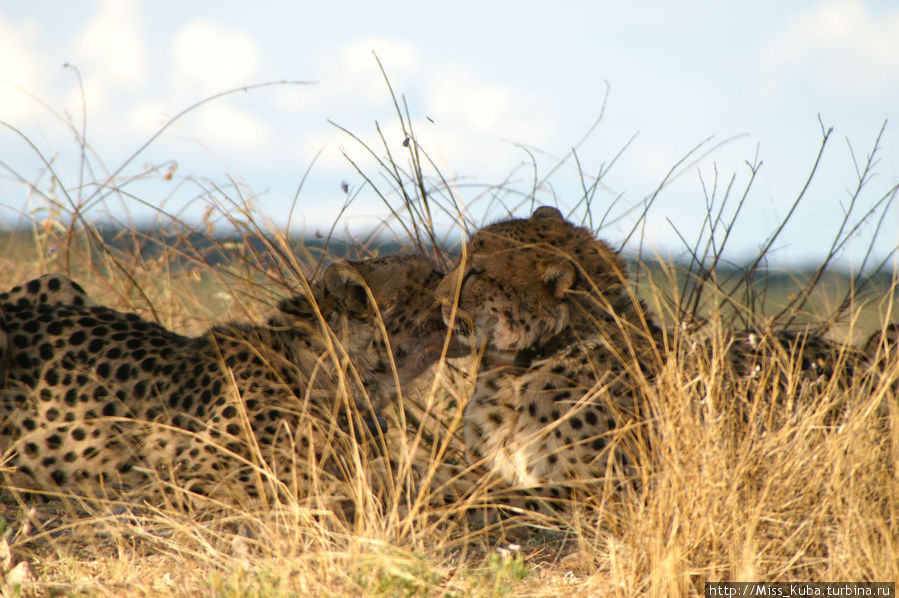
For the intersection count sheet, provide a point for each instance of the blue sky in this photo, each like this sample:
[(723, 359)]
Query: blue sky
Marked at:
[(482, 82)]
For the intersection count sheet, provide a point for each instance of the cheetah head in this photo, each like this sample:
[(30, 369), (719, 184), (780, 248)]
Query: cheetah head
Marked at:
[(393, 295), (520, 283)]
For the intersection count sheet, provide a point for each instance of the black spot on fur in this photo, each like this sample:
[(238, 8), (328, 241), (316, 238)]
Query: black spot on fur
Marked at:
[(103, 369), (23, 361), (123, 372)]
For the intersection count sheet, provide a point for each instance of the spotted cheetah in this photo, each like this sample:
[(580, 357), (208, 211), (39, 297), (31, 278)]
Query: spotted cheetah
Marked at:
[(568, 353), (49, 288), (564, 342), (105, 402)]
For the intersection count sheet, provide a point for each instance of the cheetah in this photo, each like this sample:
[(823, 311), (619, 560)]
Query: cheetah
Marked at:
[(49, 288), (564, 344), (107, 403), (568, 352)]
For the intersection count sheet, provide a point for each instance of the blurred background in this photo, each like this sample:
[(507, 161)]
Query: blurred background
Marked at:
[(654, 96)]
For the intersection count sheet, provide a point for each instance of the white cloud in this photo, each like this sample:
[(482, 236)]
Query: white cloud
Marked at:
[(397, 56), (147, 117), (466, 124), (296, 99), (841, 48), (18, 69), (223, 126), (457, 95), (478, 122), (360, 72), (109, 53), (207, 58), (213, 58)]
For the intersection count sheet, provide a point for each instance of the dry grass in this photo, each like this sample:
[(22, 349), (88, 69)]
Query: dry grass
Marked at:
[(717, 502)]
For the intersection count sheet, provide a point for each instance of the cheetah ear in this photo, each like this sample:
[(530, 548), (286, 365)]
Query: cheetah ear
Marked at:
[(559, 276), (547, 212), (343, 281)]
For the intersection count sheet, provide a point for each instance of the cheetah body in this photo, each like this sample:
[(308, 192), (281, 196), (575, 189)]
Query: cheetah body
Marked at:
[(568, 353), (564, 346), (104, 400)]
